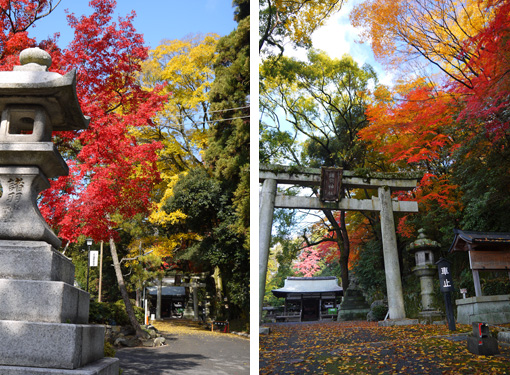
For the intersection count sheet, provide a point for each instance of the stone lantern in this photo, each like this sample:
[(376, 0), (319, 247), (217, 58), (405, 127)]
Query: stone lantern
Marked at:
[(44, 319), (423, 249)]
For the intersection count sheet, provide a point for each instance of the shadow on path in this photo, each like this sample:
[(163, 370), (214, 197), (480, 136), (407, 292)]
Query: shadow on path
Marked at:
[(156, 361), (211, 354)]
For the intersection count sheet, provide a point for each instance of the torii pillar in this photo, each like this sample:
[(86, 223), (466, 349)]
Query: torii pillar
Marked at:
[(384, 183), (266, 210), (390, 254)]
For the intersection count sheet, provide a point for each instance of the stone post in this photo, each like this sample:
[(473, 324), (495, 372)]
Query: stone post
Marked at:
[(195, 301), (266, 210), (390, 253), (207, 308), (44, 319)]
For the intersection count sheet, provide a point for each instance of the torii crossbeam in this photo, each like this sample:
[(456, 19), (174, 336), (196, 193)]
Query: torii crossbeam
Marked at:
[(385, 183)]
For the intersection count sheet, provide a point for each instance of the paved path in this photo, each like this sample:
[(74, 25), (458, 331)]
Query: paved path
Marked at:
[(211, 354)]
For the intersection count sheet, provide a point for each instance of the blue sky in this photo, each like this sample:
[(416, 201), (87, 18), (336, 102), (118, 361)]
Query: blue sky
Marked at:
[(156, 19)]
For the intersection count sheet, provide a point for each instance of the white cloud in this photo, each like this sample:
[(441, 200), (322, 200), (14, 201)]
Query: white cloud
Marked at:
[(338, 37), (331, 38)]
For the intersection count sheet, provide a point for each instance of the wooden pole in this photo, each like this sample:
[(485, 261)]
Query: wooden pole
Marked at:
[(100, 273), (449, 311)]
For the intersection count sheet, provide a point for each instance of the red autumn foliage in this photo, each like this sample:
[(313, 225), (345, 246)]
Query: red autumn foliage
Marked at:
[(488, 98), (111, 173), (417, 132)]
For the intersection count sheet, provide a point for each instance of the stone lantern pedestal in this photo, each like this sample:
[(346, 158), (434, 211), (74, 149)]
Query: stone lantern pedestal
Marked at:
[(354, 305), (44, 319), (426, 269)]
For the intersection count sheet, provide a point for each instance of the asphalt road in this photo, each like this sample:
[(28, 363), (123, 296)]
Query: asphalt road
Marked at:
[(189, 354)]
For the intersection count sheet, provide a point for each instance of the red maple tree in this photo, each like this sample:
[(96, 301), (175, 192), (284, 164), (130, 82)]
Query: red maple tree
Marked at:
[(112, 174), (487, 101)]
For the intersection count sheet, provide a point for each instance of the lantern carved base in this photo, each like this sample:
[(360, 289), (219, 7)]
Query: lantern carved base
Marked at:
[(20, 218)]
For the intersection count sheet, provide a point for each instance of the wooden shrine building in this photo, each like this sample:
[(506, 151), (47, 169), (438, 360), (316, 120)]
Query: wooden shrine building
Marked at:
[(173, 300), (309, 298), (488, 251)]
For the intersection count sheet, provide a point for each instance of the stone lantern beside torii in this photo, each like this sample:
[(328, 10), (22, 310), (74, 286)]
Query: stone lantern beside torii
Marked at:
[(43, 326), (423, 249)]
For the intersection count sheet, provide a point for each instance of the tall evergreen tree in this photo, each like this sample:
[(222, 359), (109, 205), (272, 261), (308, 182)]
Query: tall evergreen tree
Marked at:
[(229, 143)]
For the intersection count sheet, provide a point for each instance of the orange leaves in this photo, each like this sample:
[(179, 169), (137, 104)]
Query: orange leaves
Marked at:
[(418, 130), (428, 30), (413, 129), (434, 188)]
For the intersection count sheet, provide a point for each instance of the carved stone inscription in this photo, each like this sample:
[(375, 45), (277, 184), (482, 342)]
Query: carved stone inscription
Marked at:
[(13, 197)]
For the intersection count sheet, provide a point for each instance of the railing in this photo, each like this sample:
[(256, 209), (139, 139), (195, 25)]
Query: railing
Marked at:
[(289, 317)]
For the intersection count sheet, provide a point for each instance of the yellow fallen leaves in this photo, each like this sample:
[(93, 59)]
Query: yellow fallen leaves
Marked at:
[(345, 348), (184, 327)]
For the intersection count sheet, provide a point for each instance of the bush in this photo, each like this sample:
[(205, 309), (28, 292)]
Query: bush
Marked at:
[(109, 350), (497, 286), (380, 311), (112, 313), (369, 271)]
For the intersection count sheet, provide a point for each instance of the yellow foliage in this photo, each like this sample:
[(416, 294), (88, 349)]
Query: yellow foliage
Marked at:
[(159, 246), (158, 215), (183, 69), (303, 17)]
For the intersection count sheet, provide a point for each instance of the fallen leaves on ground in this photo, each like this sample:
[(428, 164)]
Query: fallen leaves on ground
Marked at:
[(184, 326), (366, 348)]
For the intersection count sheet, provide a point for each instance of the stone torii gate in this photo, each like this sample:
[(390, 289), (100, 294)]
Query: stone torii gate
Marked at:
[(385, 183)]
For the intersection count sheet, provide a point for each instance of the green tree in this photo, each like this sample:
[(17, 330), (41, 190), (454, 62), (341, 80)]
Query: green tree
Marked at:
[(324, 101), (229, 141), (210, 214)]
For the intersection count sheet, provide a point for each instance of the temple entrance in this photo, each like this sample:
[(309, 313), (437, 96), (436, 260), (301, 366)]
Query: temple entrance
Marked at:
[(310, 310), (308, 298)]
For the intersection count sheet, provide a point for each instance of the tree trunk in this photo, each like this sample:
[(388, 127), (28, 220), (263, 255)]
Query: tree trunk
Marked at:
[(344, 256), (342, 240), (218, 283), (120, 279), (159, 298)]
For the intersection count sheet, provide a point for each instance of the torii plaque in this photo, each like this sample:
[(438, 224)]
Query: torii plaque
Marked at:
[(385, 183)]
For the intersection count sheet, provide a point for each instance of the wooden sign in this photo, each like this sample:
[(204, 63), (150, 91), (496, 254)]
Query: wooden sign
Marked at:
[(331, 184), (446, 287), (445, 276), (489, 260)]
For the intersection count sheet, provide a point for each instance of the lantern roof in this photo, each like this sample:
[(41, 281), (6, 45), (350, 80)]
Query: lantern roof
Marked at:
[(32, 84), (423, 243)]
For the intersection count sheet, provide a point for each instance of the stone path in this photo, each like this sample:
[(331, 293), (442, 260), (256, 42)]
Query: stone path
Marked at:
[(197, 353), (364, 348)]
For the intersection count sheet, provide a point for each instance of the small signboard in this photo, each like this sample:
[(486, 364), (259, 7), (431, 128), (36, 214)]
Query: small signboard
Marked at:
[(446, 287), (331, 184), (445, 276), (93, 257)]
